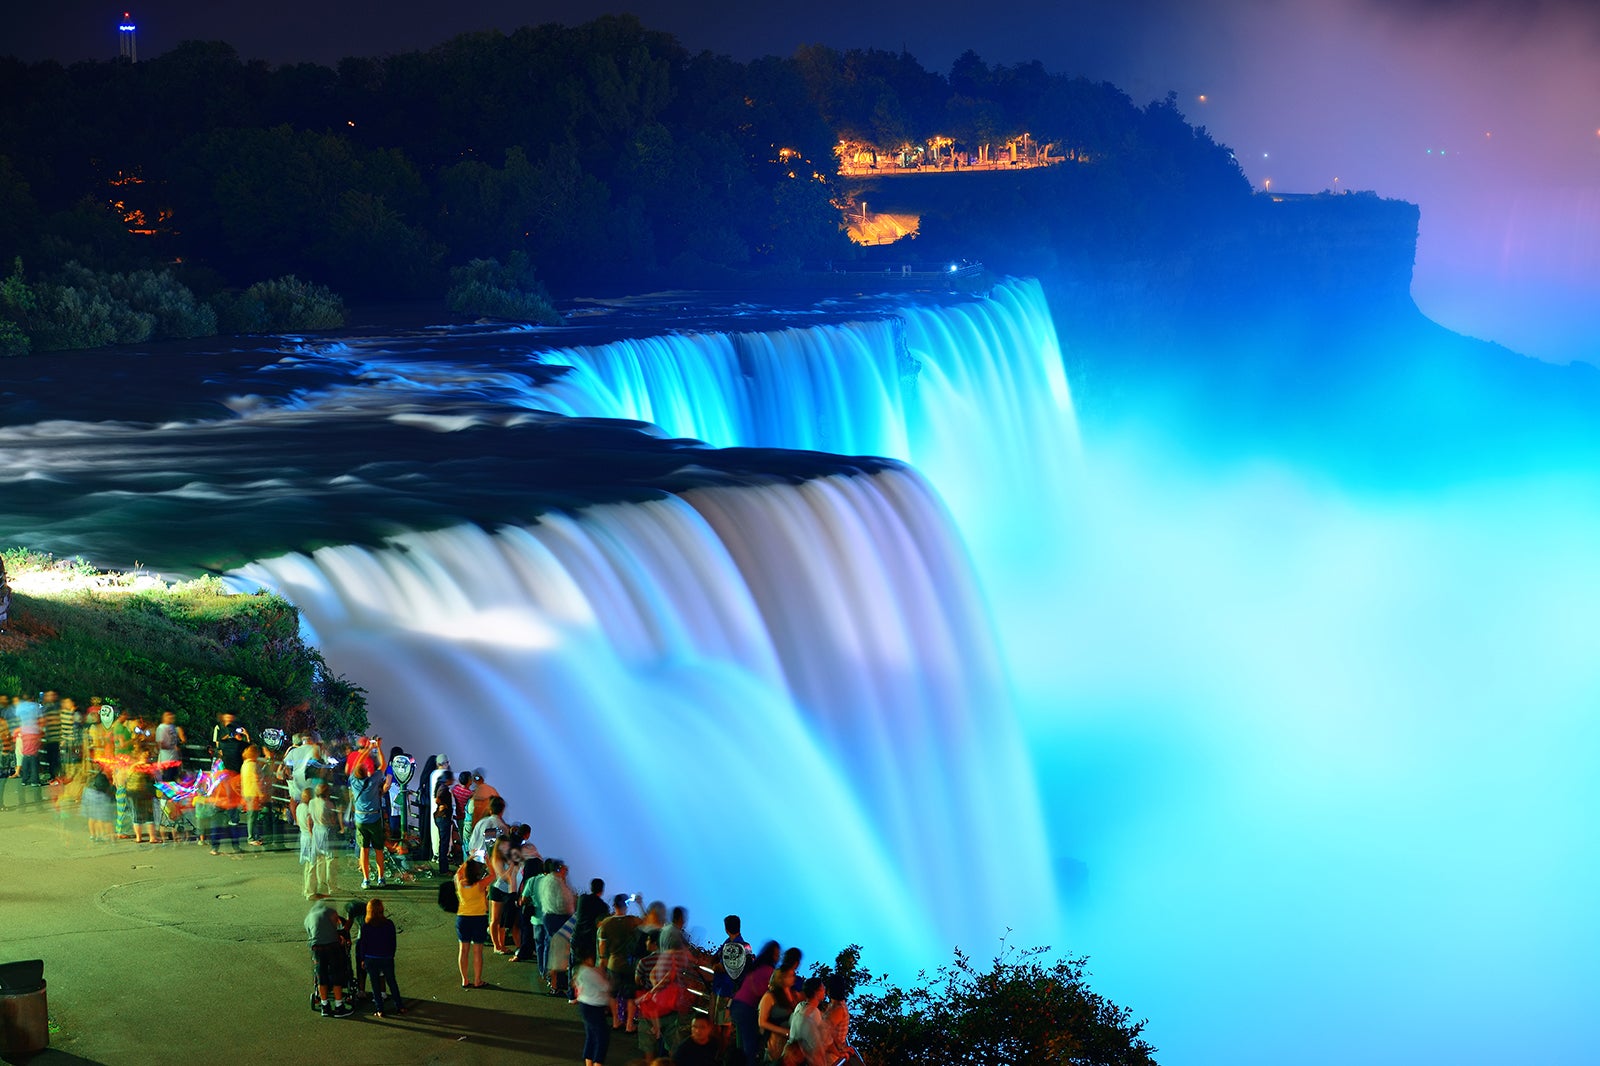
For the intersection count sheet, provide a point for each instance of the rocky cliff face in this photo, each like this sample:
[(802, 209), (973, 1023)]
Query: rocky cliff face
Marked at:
[(1346, 247)]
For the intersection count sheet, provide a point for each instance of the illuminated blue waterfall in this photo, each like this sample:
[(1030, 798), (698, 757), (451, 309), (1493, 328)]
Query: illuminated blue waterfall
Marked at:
[(755, 698)]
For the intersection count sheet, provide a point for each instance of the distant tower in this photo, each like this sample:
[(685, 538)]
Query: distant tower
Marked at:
[(127, 31)]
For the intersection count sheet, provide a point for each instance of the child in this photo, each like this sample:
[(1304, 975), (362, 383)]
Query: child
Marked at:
[(377, 947), (308, 852)]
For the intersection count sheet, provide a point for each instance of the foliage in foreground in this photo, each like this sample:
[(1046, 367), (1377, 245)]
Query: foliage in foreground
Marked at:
[(486, 288), (1022, 1008), (191, 648)]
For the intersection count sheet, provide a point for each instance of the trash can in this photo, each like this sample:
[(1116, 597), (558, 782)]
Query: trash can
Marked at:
[(24, 1015)]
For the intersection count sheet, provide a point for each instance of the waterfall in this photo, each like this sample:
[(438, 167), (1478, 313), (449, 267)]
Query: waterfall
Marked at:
[(777, 699)]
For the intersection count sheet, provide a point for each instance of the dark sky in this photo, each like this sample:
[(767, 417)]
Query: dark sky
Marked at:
[(1506, 94)]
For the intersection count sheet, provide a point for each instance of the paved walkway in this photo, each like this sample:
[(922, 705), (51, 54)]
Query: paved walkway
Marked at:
[(171, 954)]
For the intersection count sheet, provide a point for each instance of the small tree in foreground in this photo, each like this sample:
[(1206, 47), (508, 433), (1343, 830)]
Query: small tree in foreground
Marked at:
[(1022, 1009)]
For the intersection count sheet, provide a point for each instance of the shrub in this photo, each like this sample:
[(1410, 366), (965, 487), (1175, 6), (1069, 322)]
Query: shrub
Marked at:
[(177, 313), (85, 316), (1020, 1009), (485, 288), (17, 305), (279, 305)]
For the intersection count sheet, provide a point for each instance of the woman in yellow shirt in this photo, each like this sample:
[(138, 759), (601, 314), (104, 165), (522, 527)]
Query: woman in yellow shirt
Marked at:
[(473, 879), (253, 795)]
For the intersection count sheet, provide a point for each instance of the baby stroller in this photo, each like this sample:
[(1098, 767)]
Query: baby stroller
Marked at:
[(177, 809)]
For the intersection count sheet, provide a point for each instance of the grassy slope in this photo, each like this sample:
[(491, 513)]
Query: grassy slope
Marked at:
[(190, 648)]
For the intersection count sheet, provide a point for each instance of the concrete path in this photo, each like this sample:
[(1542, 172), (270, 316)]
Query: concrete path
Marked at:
[(170, 954)]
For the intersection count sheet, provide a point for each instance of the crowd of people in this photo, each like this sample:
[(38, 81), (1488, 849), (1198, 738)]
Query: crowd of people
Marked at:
[(626, 966)]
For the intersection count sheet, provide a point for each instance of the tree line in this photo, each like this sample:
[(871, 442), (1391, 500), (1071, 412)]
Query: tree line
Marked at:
[(601, 154)]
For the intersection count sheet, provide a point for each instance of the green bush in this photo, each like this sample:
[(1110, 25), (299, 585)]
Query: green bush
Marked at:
[(18, 304), (177, 313), (85, 316), (1020, 1009), (485, 288), (280, 305)]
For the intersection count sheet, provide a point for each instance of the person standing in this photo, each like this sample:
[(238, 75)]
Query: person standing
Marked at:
[(444, 816), (326, 827), (378, 942), (441, 775), (308, 851), (170, 739), (461, 792), (323, 926), (253, 795), (744, 1007), (807, 1029), (616, 938), (472, 920), (228, 741), (50, 721), (733, 958), (591, 993), (556, 902), (366, 787), (590, 912), (488, 828)]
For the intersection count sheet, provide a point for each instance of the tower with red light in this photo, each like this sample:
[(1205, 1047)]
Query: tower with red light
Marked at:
[(127, 34)]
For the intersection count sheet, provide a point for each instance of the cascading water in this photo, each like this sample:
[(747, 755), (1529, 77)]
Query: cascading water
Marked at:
[(755, 698)]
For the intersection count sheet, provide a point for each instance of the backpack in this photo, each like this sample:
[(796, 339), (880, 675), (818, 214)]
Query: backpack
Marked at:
[(449, 899)]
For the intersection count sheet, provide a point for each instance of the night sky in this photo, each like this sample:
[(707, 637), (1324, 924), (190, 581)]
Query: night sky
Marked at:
[(1487, 113)]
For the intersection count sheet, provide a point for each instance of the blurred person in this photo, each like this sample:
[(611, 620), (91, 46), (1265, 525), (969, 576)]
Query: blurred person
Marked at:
[(616, 940), (98, 804), (744, 1007), (591, 993), (556, 902), (302, 764), (772, 1014), (228, 741), (71, 720), (141, 790), (488, 828), (8, 759), (837, 1019), (673, 962), (308, 852), (366, 789), (50, 722), (99, 743), (29, 736), (808, 1036), (225, 796), (170, 739), (323, 927), (326, 827), (472, 920), (253, 794), (377, 949)]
